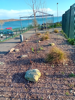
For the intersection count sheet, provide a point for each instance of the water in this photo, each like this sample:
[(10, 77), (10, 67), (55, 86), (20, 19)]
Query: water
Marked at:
[(25, 23)]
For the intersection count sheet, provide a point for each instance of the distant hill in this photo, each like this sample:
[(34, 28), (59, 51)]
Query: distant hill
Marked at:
[(8, 20)]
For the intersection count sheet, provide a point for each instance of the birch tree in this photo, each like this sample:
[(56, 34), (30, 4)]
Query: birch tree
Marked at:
[(35, 5)]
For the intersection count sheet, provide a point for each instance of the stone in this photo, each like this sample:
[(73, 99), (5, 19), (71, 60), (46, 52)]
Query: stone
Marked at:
[(48, 96), (51, 44), (1, 63), (74, 93), (16, 50), (33, 75), (21, 38), (39, 41), (24, 56), (11, 50), (71, 91)]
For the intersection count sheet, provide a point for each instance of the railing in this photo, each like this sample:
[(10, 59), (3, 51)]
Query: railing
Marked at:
[(12, 33)]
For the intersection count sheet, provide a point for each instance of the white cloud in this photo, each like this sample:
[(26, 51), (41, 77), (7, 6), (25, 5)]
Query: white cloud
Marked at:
[(8, 14)]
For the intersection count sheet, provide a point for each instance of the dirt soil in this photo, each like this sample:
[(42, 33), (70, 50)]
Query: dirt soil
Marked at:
[(54, 84)]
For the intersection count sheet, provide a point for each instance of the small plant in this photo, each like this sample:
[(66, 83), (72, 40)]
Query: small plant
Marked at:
[(56, 31), (47, 33), (44, 37), (64, 79), (64, 34), (38, 34), (41, 48), (32, 49), (38, 51), (67, 93), (71, 41), (72, 75), (61, 31), (41, 98), (71, 85), (56, 55), (63, 73)]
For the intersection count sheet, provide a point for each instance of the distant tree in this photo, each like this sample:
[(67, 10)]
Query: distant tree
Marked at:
[(1, 23)]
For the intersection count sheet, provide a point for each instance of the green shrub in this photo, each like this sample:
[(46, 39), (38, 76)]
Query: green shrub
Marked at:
[(67, 93), (64, 34), (71, 41), (71, 75)]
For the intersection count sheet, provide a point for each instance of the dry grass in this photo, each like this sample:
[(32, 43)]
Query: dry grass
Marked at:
[(38, 33), (56, 55), (56, 31), (47, 33), (44, 37)]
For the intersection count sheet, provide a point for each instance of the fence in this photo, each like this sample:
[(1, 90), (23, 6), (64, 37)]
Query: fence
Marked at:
[(68, 22), (8, 34)]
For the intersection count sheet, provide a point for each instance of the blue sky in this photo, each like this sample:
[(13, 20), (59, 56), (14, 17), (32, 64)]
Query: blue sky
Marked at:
[(16, 8)]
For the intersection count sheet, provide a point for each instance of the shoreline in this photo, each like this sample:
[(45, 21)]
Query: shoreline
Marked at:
[(9, 20)]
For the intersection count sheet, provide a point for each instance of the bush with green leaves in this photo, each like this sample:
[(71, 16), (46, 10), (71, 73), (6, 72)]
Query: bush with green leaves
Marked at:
[(71, 41)]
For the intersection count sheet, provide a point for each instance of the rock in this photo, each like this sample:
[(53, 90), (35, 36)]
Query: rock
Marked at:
[(48, 96), (39, 41), (71, 91), (21, 38), (74, 93), (16, 50), (23, 56), (51, 44), (1, 63), (33, 75), (11, 50)]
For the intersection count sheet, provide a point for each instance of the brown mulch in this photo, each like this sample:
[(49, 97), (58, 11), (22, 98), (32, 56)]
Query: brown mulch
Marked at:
[(54, 84)]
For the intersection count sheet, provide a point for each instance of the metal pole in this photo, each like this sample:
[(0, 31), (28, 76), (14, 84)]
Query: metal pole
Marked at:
[(21, 23), (53, 23), (57, 12)]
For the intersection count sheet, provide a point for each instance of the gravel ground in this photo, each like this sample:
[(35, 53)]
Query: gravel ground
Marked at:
[(54, 84)]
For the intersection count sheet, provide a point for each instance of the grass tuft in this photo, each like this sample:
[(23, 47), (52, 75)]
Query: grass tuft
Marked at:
[(56, 31), (56, 55), (38, 33), (44, 37), (47, 33)]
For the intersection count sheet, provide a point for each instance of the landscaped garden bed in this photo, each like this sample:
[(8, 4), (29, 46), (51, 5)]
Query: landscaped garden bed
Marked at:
[(57, 81)]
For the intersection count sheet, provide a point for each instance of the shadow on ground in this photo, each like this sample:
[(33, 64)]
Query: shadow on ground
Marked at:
[(3, 53), (19, 77), (11, 42), (26, 61)]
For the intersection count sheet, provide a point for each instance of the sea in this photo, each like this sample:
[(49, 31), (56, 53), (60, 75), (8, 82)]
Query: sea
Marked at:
[(25, 23)]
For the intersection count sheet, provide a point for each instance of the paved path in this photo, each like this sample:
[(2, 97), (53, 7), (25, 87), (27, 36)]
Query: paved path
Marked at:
[(7, 45)]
